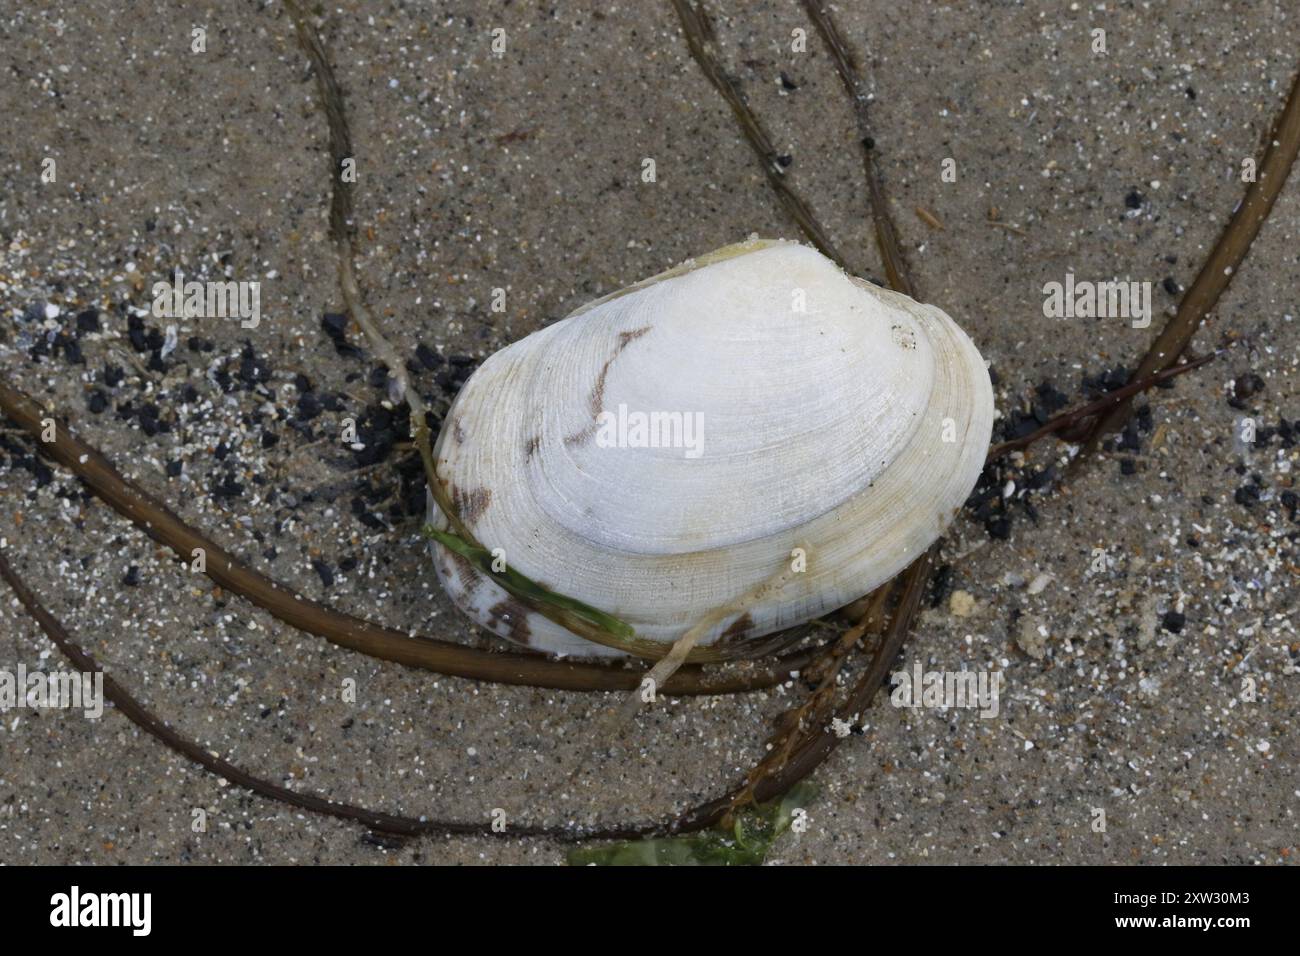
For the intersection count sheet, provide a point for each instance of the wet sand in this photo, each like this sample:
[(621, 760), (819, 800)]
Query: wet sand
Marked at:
[(1123, 682)]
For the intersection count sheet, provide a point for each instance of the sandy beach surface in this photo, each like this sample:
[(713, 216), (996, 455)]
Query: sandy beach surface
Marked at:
[(1156, 683)]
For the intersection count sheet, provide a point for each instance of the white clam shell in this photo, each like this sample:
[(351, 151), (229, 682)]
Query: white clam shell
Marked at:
[(852, 429)]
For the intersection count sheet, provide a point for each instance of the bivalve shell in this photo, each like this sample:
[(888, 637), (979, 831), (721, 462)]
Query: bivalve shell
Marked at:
[(754, 433)]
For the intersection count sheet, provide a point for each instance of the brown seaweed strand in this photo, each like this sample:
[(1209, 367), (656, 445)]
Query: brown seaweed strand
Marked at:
[(344, 235), (802, 742), (164, 526), (1224, 260), (813, 712), (376, 820), (813, 749), (139, 715), (886, 234), (1075, 415), (698, 29)]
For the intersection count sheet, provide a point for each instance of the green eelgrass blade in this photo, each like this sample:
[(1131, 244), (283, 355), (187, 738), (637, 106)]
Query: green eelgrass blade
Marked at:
[(521, 586)]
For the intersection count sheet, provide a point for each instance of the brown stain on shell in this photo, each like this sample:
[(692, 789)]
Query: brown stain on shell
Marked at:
[(596, 401), (459, 567), (738, 630), (512, 616), (471, 504), (509, 615)]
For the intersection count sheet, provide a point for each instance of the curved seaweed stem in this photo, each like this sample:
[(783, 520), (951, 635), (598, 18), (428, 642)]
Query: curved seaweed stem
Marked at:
[(569, 613), (811, 751), (139, 715), (1073, 416), (703, 43), (813, 712), (797, 760), (800, 754), (706, 816), (886, 235), (164, 526), (1225, 258), (376, 820)]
